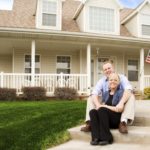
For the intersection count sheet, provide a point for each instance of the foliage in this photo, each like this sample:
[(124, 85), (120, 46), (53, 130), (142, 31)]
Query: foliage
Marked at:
[(147, 92), (7, 94), (65, 93), (38, 125), (34, 93)]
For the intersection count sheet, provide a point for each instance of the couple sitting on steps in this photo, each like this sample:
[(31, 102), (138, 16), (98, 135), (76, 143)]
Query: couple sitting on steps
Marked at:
[(111, 105)]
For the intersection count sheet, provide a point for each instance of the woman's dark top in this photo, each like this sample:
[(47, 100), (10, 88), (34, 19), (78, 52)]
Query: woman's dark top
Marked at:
[(109, 101)]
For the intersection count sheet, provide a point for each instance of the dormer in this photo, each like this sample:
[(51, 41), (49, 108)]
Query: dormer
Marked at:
[(99, 16), (138, 22), (48, 15)]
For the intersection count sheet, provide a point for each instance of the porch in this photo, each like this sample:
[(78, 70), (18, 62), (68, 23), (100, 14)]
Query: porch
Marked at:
[(36, 58), (50, 81)]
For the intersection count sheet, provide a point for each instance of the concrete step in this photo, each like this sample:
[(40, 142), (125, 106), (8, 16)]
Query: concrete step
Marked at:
[(84, 145), (136, 135)]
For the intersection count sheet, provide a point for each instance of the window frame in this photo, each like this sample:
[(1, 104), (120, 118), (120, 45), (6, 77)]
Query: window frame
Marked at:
[(101, 31), (63, 68), (144, 23), (39, 14), (30, 62), (137, 70)]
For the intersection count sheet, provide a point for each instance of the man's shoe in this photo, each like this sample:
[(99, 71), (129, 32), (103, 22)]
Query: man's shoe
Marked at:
[(123, 128), (86, 128)]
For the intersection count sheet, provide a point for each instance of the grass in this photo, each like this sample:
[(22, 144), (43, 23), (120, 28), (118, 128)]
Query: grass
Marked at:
[(38, 125)]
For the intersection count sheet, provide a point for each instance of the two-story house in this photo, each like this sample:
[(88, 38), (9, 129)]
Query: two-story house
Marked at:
[(55, 43)]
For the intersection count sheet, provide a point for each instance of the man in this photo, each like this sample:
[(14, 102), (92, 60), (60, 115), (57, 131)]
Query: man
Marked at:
[(126, 103)]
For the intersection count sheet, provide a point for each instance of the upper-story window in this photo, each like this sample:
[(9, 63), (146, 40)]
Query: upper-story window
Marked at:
[(145, 25), (49, 12), (101, 19)]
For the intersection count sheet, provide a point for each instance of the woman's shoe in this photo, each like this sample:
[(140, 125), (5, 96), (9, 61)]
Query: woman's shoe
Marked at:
[(95, 142), (103, 142)]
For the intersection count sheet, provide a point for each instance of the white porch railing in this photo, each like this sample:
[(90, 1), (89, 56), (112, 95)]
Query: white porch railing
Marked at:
[(146, 80), (48, 81)]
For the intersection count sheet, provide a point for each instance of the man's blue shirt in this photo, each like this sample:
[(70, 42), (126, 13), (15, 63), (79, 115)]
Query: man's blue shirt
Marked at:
[(102, 85)]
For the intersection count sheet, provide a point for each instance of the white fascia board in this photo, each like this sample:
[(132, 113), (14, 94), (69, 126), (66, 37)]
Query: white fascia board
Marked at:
[(38, 32)]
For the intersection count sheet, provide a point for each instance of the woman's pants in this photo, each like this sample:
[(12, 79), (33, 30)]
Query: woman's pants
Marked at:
[(101, 121)]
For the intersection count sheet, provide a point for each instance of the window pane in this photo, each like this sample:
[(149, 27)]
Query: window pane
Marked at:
[(63, 64), (49, 20), (49, 6), (133, 75), (28, 64), (146, 30), (133, 70), (101, 19)]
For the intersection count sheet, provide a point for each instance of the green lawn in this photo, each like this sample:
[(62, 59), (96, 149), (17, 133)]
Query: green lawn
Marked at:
[(38, 125)]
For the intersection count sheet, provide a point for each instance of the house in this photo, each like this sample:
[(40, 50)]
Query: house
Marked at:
[(55, 43)]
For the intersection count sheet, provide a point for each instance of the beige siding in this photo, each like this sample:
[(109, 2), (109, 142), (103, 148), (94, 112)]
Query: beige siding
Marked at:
[(47, 60), (6, 64), (132, 26)]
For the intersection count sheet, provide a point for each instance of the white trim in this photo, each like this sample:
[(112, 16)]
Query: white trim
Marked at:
[(58, 16), (13, 59), (33, 62), (89, 67), (81, 61), (142, 69)]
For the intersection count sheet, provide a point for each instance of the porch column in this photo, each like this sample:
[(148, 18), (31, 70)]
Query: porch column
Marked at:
[(32, 62), (142, 69), (89, 67)]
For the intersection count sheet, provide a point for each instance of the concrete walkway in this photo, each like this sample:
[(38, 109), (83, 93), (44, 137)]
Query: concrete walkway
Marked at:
[(138, 137)]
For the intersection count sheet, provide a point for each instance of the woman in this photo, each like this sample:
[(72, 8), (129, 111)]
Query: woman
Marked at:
[(107, 116)]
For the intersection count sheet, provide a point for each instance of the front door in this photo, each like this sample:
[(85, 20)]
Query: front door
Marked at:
[(100, 62)]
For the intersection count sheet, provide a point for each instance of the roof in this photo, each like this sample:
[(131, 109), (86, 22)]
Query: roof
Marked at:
[(23, 16)]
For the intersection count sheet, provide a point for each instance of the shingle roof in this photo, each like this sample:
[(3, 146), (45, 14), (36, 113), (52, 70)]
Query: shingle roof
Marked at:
[(23, 16), (69, 8), (125, 12)]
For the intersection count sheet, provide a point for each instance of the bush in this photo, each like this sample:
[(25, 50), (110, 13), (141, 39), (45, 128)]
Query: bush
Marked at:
[(7, 94), (147, 92), (65, 93), (34, 93)]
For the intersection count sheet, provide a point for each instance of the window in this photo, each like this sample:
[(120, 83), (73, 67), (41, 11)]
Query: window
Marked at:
[(146, 30), (101, 19), (145, 26), (28, 64), (133, 70), (49, 9), (63, 64)]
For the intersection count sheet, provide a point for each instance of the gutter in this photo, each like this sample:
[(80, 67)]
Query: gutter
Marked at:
[(38, 33)]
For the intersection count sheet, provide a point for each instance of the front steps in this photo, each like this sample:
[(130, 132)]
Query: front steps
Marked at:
[(138, 137)]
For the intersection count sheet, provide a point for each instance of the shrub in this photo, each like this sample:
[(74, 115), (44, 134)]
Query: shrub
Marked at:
[(34, 93), (147, 92), (7, 94), (65, 93)]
